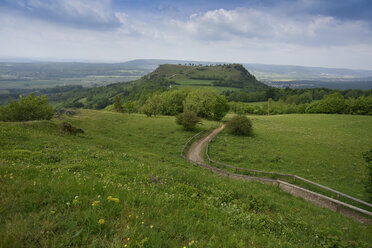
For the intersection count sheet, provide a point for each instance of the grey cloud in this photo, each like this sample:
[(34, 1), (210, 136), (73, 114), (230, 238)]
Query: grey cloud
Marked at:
[(88, 14), (243, 23)]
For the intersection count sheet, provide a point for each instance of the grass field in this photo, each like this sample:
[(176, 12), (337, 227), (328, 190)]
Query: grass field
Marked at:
[(323, 148), (123, 184), (88, 81)]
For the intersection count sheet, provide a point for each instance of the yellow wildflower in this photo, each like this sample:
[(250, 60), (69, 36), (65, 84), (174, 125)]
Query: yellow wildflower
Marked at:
[(68, 203), (101, 221), (143, 222), (128, 239), (151, 226), (114, 199), (75, 201), (125, 245), (52, 211), (95, 203)]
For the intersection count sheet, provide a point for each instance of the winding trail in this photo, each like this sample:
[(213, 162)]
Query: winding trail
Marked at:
[(195, 156), (196, 149)]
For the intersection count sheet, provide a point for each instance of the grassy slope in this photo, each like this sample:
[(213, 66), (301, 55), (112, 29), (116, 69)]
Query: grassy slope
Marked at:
[(195, 76), (43, 170), (323, 148)]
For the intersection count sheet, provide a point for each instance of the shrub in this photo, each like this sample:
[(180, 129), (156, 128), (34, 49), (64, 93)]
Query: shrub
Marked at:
[(188, 120), (27, 108), (239, 125), (117, 104), (69, 129), (368, 158)]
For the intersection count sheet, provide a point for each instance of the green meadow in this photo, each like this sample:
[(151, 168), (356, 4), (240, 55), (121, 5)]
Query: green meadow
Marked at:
[(123, 183), (326, 149)]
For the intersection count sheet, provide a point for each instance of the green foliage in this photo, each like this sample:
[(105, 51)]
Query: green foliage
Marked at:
[(117, 104), (27, 108), (172, 101), (239, 125), (368, 158), (188, 120), (331, 104), (152, 106), (206, 104)]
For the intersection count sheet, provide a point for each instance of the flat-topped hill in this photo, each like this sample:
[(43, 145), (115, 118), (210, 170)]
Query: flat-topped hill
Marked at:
[(220, 76)]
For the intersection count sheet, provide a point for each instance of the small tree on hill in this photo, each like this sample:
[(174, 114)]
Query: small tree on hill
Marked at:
[(117, 104), (239, 125), (188, 120)]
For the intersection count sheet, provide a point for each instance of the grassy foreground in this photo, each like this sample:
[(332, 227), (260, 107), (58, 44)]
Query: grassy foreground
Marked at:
[(123, 184), (323, 148)]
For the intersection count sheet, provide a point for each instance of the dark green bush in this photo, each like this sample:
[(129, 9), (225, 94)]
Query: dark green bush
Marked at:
[(239, 125), (368, 158), (188, 120), (27, 108)]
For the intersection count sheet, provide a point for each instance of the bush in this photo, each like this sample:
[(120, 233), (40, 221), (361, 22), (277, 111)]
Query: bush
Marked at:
[(27, 108), (188, 120), (368, 158), (69, 129), (239, 125)]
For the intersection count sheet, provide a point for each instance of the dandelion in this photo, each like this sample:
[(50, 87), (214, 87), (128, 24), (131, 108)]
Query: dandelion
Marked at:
[(125, 245), (75, 201), (68, 203), (114, 199), (143, 222), (101, 221), (95, 203), (52, 212), (128, 239), (136, 217), (130, 216)]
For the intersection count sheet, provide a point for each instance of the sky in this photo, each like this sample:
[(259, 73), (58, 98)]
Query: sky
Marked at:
[(324, 33)]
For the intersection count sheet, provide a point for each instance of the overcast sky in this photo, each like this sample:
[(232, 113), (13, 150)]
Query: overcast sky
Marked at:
[(328, 33)]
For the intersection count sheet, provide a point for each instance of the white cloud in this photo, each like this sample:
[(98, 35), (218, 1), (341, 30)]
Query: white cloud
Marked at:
[(238, 35), (243, 23)]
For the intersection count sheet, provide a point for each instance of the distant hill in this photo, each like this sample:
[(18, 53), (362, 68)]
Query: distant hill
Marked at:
[(228, 77), (222, 77), (284, 75)]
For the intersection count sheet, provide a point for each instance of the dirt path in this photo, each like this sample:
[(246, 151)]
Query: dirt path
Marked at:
[(195, 152), (195, 156)]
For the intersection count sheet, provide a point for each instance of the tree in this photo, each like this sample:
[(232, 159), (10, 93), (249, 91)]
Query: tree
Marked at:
[(206, 103), (117, 104), (188, 120), (27, 108), (239, 125), (152, 106)]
